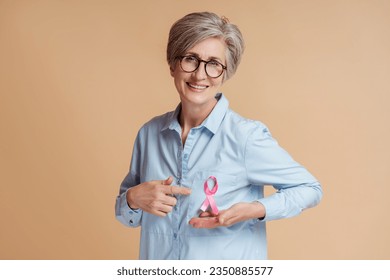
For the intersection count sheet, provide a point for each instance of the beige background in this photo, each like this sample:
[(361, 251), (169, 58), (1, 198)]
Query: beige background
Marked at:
[(78, 78)]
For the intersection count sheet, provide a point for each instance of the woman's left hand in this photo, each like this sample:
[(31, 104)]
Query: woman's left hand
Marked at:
[(237, 213)]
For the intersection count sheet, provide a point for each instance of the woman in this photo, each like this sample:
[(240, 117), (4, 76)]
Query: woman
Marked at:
[(197, 174)]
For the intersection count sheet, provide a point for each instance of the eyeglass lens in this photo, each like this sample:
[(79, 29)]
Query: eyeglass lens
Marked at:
[(191, 63)]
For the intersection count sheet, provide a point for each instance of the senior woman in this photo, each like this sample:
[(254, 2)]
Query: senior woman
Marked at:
[(197, 174)]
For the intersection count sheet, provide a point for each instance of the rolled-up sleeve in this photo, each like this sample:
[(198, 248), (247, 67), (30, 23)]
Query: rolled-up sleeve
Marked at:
[(269, 164)]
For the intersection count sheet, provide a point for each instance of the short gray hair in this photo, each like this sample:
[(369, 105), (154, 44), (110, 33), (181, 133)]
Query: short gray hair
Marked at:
[(196, 27)]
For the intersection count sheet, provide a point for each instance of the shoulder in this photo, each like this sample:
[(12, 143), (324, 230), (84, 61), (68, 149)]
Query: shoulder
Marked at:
[(244, 126), (158, 122)]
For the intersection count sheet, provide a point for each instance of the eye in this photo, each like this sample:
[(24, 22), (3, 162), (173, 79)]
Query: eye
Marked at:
[(214, 63), (190, 58)]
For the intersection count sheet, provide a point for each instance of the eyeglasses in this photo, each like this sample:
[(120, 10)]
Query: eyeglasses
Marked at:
[(190, 63)]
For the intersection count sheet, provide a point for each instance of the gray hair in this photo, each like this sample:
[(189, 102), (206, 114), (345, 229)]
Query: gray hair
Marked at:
[(196, 27)]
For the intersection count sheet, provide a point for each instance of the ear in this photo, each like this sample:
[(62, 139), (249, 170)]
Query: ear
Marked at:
[(223, 78), (172, 71)]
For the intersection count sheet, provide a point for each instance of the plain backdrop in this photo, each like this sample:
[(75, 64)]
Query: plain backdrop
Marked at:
[(79, 78)]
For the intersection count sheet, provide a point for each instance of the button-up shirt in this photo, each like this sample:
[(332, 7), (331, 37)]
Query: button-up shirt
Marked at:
[(242, 155)]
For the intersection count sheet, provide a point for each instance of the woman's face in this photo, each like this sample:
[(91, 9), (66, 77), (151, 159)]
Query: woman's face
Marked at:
[(196, 88)]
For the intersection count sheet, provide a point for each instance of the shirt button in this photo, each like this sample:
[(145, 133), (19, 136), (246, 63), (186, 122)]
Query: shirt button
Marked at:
[(186, 156), (175, 235), (192, 132)]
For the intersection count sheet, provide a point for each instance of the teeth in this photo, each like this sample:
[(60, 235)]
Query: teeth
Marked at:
[(198, 86)]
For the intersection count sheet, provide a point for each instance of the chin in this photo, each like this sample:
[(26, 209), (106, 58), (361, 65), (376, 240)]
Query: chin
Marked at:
[(199, 97)]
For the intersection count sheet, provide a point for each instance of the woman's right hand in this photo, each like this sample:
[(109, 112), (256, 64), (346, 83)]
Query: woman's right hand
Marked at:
[(155, 197)]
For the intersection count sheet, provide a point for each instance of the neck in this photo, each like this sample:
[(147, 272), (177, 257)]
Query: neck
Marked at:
[(191, 116)]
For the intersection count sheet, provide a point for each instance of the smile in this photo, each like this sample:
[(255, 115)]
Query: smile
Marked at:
[(200, 87)]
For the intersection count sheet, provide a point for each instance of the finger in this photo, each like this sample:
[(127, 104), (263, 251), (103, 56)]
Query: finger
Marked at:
[(207, 222), (168, 181), (227, 218), (168, 200), (179, 190), (172, 190), (222, 221), (206, 214), (158, 213), (160, 210), (165, 208)]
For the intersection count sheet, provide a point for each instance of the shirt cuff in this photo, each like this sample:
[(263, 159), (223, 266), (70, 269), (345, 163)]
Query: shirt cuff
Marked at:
[(128, 216)]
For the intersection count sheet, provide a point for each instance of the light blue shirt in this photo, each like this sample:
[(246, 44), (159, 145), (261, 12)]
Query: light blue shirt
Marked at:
[(242, 155)]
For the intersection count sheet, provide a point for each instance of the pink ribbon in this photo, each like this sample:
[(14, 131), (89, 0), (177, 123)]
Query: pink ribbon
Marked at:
[(209, 201)]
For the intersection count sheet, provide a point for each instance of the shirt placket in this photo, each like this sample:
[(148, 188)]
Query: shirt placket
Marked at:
[(183, 157)]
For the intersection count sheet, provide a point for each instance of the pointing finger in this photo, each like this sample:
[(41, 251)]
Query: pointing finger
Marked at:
[(178, 190)]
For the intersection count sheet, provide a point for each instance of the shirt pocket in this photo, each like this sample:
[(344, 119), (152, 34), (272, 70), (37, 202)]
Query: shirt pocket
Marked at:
[(228, 193)]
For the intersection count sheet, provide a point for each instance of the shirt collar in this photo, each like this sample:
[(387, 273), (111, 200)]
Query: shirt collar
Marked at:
[(212, 122)]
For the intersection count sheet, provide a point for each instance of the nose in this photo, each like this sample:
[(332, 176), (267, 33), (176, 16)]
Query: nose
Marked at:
[(200, 73)]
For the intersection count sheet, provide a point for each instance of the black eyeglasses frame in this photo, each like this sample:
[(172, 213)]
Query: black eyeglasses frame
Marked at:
[(180, 58)]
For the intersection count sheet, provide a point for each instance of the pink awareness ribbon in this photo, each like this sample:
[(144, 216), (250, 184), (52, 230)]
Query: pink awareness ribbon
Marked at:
[(209, 201)]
